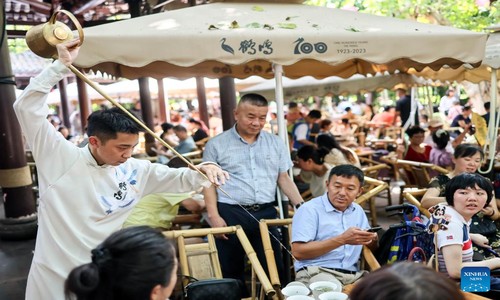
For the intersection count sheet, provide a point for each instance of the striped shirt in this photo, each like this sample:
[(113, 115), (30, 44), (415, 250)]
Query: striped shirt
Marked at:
[(253, 168), (457, 233)]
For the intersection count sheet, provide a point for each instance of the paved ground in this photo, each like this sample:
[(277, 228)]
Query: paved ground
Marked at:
[(15, 260), (15, 256)]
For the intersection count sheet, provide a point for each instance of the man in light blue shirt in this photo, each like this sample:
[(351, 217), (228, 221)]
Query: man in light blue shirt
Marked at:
[(186, 142), (257, 162), (328, 232)]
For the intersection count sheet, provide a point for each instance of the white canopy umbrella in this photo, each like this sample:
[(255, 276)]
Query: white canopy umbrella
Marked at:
[(174, 88), (243, 39), (492, 59), (309, 86), (266, 39)]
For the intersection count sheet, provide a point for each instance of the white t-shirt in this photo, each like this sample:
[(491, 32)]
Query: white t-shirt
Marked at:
[(317, 184), (456, 234), (81, 203), (300, 131)]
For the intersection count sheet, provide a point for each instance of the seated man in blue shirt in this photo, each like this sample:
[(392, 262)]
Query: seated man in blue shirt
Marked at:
[(186, 142), (328, 232)]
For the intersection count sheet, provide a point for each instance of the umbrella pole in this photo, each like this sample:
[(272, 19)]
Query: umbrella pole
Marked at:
[(278, 76), (492, 125), (146, 128), (282, 133)]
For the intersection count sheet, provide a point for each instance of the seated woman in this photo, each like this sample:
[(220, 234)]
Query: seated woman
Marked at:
[(461, 120), (325, 127), (440, 155), (131, 264), (159, 210), (314, 170), (466, 194), (198, 132), (337, 155), (416, 150), (467, 159)]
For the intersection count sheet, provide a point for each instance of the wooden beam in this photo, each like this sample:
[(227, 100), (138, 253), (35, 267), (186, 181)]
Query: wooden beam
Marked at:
[(14, 34)]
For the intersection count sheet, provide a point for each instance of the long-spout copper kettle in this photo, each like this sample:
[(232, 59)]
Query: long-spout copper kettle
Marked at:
[(42, 39)]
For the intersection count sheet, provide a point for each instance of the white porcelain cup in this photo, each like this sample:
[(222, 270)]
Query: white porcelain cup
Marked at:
[(296, 283), (320, 287), (333, 296), (294, 290)]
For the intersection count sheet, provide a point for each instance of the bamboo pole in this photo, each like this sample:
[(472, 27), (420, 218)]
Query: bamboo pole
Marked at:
[(254, 260), (269, 252), (199, 232), (139, 122), (412, 200)]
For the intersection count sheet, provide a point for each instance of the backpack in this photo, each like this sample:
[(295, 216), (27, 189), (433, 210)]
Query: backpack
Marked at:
[(407, 240)]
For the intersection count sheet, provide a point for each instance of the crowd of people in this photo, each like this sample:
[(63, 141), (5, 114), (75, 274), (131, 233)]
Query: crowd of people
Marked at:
[(88, 194)]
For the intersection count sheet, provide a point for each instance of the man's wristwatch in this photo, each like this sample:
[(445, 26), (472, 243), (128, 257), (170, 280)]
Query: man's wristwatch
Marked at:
[(298, 204)]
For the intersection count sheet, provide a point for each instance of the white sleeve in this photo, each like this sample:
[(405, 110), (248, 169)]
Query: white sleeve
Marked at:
[(301, 132), (164, 179), (53, 154)]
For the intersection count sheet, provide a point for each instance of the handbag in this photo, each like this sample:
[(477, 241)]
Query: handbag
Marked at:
[(483, 225), (213, 289)]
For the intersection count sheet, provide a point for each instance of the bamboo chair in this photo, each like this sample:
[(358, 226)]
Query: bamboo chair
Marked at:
[(394, 132), (373, 169), (306, 195), (372, 188), (180, 220), (420, 174), (201, 260), (368, 260), (201, 143), (414, 197)]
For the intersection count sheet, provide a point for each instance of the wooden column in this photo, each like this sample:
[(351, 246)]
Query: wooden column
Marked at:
[(202, 99), (227, 101), (64, 102), (162, 109), (83, 102), (147, 113), (15, 178)]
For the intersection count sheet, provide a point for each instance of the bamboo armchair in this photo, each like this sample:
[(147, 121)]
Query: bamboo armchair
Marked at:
[(201, 260), (373, 169), (372, 188), (368, 260), (201, 143), (422, 172), (414, 197)]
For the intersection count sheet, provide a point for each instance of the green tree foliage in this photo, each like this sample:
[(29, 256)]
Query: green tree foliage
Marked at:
[(465, 14), (17, 45)]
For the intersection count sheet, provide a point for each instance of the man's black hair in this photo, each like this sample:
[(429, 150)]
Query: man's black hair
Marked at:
[(166, 126), (177, 162), (107, 123), (465, 181), (254, 99), (311, 152), (347, 171), (180, 128), (315, 114)]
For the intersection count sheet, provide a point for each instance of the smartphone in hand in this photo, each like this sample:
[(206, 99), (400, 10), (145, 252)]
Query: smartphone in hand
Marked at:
[(374, 229)]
